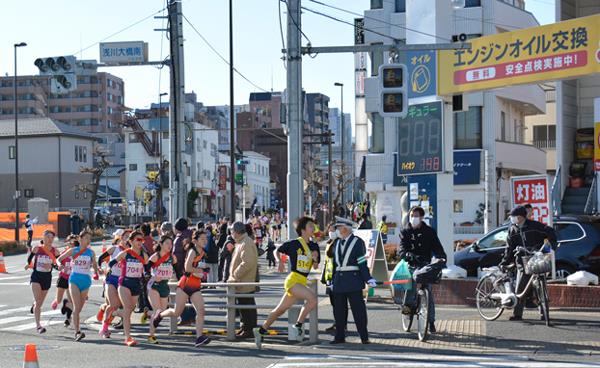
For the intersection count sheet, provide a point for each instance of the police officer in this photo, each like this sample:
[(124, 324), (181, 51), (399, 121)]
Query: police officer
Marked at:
[(531, 235), (418, 243), (350, 273)]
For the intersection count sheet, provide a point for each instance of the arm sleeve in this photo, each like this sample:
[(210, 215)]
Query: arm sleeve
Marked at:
[(284, 248), (405, 245), (507, 258), (361, 250), (102, 257), (112, 263), (30, 258)]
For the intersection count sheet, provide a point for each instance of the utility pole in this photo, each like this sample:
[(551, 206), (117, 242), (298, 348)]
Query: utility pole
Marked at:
[(231, 117), (177, 192), (330, 177), (342, 128), (294, 113)]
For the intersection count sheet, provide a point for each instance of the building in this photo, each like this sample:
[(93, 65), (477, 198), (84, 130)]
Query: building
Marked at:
[(220, 116), (492, 124), (575, 110), (50, 157), (335, 124), (96, 106), (540, 130), (316, 122), (257, 183)]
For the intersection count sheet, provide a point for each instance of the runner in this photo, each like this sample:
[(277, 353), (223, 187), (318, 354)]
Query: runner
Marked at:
[(303, 255), (83, 258), (44, 257), (188, 287), (258, 229), (132, 263), (62, 283), (162, 262), (111, 282)]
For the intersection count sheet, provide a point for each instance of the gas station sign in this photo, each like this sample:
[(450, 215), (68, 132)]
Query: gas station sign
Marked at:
[(533, 190), (560, 50)]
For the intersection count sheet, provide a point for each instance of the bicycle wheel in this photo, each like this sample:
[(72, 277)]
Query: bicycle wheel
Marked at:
[(422, 314), (406, 318), (488, 308), (542, 291)]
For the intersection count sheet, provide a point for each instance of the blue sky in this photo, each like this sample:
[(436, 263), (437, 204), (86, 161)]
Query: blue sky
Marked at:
[(67, 26)]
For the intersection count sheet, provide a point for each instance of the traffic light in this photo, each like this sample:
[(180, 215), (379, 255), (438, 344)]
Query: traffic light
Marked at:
[(393, 90), (61, 68)]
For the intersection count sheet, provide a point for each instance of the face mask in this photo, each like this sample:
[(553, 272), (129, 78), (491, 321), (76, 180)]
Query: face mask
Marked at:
[(415, 221), (332, 235), (337, 233), (514, 220)]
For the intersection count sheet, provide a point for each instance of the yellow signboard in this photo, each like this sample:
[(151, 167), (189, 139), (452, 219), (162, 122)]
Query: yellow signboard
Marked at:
[(560, 50)]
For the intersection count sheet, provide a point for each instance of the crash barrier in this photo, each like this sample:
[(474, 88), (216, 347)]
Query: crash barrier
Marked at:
[(226, 291)]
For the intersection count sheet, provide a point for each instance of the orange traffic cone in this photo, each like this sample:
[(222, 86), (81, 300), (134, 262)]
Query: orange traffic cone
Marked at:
[(2, 265), (31, 359)]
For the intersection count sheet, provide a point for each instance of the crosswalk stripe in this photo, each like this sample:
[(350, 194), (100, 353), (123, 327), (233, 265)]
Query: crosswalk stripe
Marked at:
[(13, 310), (14, 277), (5, 321), (31, 325)]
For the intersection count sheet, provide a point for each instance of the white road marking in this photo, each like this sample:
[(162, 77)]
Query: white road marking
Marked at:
[(8, 320), (14, 277), (31, 325), (14, 310)]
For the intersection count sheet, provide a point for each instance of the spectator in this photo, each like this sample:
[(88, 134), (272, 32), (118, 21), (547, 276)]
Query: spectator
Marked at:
[(383, 229), (166, 229), (29, 226), (182, 234), (212, 256), (148, 239), (244, 268), (75, 223), (365, 223)]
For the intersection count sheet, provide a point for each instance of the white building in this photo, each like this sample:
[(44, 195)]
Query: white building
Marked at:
[(256, 178), (493, 123)]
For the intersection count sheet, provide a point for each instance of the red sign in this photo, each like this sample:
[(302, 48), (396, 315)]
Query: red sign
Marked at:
[(222, 177), (533, 190)]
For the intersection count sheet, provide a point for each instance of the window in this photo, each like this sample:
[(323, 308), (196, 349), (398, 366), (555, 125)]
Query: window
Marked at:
[(544, 136), (28, 193), (496, 239), (502, 126), (467, 128), (568, 231), (458, 206), (133, 138), (80, 156), (84, 154), (165, 135), (132, 167), (472, 3), (12, 152), (400, 6), (151, 167), (376, 4)]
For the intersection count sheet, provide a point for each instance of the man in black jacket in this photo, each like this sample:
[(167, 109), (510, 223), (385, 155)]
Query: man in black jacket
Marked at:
[(418, 244), (224, 254), (528, 234)]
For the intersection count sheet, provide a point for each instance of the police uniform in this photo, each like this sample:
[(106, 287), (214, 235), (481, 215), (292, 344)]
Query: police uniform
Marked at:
[(350, 273)]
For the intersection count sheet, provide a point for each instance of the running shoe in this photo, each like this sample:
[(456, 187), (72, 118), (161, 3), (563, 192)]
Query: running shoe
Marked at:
[(79, 336), (156, 320), (144, 319), (299, 331), (67, 322), (104, 333), (41, 330), (100, 315), (152, 340), (119, 325), (130, 342), (54, 304), (259, 332), (202, 340)]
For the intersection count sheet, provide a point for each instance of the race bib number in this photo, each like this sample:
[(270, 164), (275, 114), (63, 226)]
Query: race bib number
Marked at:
[(303, 264), (164, 271), (43, 263), (82, 265), (67, 267), (134, 269), (258, 233)]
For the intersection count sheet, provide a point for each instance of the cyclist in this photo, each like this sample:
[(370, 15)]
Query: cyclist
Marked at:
[(418, 244), (530, 235), (304, 255)]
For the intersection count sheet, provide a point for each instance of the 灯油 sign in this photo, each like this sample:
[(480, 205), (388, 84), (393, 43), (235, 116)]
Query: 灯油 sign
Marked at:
[(123, 52), (555, 51)]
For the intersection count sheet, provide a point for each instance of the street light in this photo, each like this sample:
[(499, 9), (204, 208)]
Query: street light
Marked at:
[(342, 128), (161, 161), (17, 45)]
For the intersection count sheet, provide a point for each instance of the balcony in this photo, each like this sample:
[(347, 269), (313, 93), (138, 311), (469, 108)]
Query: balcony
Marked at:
[(530, 98), (521, 157)]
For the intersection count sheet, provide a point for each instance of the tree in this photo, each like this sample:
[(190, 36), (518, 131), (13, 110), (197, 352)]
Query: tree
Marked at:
[(101, 163), (342, 179)]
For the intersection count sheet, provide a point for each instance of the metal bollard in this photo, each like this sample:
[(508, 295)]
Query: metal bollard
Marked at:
[(230, 313), (313, 336)]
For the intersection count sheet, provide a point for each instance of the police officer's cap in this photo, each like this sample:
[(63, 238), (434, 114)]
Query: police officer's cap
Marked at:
[(340, 221)]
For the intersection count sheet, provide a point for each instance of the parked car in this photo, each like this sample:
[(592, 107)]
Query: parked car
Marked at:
[(578, 248)]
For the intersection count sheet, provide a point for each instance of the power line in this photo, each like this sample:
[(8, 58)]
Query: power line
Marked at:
[(296, 24), (122, 30), (221, 56), (378, 20), (346, 22)]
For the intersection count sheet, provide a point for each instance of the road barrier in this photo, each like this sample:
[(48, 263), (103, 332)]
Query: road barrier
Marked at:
[(226, 291)]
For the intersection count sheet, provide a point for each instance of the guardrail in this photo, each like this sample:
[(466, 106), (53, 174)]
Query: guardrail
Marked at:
[(226, 291)]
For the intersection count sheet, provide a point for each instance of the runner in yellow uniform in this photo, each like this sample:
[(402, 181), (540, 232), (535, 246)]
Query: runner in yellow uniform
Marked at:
[(303, 255)]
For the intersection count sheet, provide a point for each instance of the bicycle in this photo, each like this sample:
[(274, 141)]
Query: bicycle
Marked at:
[(494, 292), (421, 309)]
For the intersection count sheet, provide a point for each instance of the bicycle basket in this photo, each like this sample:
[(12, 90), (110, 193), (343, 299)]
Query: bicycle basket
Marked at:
[(537, 264), (429, 274)]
